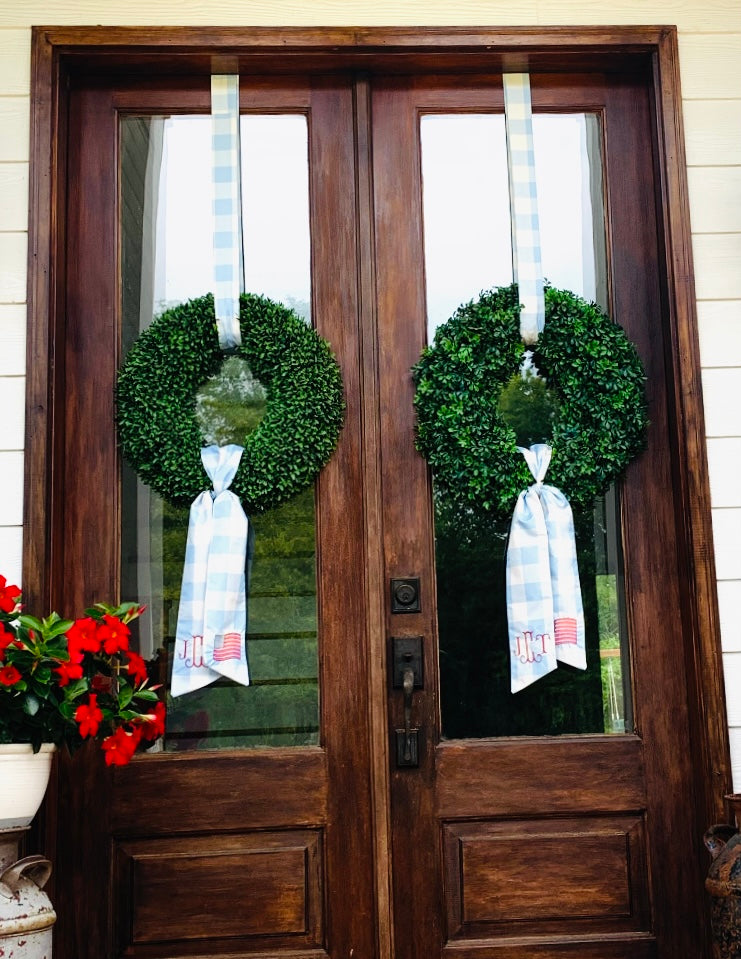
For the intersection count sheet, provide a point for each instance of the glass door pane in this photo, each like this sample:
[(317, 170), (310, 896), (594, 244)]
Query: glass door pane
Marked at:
[(467, 250), (167, 258)]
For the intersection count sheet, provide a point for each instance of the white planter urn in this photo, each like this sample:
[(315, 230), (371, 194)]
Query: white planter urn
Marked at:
[(24, 776), (26, 914)]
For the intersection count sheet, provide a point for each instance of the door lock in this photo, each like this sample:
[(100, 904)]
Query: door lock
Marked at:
[(405, 595), (407, 676)]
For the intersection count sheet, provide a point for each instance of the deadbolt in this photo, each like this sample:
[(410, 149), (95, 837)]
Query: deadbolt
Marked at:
[(405, 595)]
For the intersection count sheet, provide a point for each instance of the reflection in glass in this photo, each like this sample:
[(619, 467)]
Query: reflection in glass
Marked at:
[(467, 250), (166, 259)]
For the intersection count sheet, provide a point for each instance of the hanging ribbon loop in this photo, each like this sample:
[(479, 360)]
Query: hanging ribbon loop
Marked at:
[(212, 617), (523, 197), (544, 606), (227, 207)]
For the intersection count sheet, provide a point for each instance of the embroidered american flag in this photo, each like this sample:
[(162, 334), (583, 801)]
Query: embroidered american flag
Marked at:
[(228, 646), (565, 629)]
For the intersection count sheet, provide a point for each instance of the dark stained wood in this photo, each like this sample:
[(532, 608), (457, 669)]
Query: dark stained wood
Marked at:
[(284, 786), (340, 530), (536, 779), (495, 778), (375, 577), (237, 887), (599, 946), (656, 578), (537, 877), (708, 721), (407, 521), (163, 798), (661, 786)]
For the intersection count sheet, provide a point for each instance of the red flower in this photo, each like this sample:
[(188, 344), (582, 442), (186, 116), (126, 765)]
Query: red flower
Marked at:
[(9, 596), (6, 638), (137, 668), (89, 716), (9, 676), (153, 724), (121, 746), (68, 671), (82, 636), (114, 635)]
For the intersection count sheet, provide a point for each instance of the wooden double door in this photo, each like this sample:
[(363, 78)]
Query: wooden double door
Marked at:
[(507, 837)]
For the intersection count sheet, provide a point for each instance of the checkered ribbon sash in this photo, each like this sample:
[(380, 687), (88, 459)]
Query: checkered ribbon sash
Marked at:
[(212, 618), (544, 607), (523, 198), (227, 207)]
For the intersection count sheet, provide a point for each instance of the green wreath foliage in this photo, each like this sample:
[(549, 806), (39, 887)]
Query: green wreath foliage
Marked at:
[(599, 417), (173, 358)]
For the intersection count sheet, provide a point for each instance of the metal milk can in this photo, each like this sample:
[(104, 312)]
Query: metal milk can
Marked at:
[(723, 883), (26, 914)]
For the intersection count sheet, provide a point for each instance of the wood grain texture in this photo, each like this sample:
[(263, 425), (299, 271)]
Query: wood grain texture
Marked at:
[(407, 528), (537, 877), (498, 778), (667, 540), (598, 946), (375, 577), (283, 787), (280, 789), (238, 887)]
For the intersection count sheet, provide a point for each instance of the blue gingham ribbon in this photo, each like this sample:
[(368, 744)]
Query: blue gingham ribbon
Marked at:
[(227, 207), (212, 617), (544, 606), (526, 260)]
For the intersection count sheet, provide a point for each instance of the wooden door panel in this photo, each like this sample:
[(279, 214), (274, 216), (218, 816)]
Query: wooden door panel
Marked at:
[(521, 848), (555, 777), (258, 889), (280, 836), (545, 876), (574, 822), (276, 787)]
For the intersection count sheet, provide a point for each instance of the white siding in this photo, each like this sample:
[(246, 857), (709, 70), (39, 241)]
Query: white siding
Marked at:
[(710, 65)]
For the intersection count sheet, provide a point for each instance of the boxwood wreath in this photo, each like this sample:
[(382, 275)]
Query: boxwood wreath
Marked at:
[(173, 358), (598, 426)]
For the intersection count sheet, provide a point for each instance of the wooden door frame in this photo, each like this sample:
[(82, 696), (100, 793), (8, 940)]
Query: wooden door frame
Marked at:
[(59, 53)]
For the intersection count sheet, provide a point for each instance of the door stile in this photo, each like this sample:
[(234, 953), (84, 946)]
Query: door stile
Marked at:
[(375, 582), (344, 657), (408, 538)]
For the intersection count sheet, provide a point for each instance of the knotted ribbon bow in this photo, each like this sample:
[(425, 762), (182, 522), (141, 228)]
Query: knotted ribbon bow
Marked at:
[(212, 618), (544, 606)]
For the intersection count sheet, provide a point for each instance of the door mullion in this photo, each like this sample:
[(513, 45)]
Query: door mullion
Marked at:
[(375, 587)]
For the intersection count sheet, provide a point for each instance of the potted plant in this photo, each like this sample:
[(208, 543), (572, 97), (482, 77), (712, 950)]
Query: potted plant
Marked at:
[(63, 682)]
